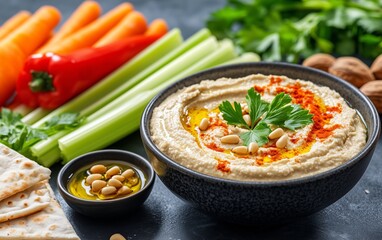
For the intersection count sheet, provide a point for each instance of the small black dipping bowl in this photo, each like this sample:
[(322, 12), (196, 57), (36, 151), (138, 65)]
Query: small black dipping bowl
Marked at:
[(111, 207), (256, 202)]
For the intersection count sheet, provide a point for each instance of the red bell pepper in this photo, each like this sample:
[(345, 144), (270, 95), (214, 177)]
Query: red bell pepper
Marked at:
[(50, 80)]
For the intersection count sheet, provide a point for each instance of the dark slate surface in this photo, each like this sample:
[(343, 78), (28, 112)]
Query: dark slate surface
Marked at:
[(358, 215)]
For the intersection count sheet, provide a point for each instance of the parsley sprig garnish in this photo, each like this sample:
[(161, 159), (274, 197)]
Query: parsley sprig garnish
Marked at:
[(20, 136), (280, 112)]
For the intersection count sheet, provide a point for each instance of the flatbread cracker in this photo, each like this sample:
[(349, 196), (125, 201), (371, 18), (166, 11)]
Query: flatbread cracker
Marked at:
[(18, 173), (47, 224), (25, 203)]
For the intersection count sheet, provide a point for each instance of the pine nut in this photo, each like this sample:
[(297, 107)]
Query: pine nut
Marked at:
[(114, 183), (128, 173), (240, 150), (98, 185), (92, 177), (230, 139), (119, 178), (113, 171), (282, 141), (117, 236), (246, 109), (278, 132), (133, 181), (253, 147), (98, 169), (204, 124), (124, 190), (247, 119), (108, 190)]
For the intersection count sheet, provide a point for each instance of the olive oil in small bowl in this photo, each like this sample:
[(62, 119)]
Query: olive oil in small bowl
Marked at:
[(106, 182), (109, 180)]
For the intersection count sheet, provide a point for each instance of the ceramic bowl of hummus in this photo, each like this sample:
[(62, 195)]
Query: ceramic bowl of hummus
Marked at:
[(260, 143)]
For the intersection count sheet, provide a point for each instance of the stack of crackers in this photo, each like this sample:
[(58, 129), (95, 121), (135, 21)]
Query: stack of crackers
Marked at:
[(28, 207)]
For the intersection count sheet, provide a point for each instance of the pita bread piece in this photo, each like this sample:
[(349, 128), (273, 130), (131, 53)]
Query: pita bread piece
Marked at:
[(49, 223), (25, 203), (18, 173)]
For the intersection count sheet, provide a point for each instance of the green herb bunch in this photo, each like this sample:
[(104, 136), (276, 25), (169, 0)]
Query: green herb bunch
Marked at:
[(20, 136), (280, 112), (292, 30)]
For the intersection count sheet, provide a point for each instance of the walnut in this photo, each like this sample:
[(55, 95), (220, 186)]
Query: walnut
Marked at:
[(376, 67), (352, 70), (373, 90), (320, 61)]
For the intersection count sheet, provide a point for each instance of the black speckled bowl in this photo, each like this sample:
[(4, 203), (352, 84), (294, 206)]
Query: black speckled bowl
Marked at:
[(113, 207), (264, 203)]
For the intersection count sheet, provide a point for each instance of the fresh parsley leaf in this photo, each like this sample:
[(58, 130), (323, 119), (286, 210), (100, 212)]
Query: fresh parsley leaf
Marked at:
[(256, 106), (233, 115), (295, 29), (9, 118), (298, 118), (17, 140), (61, 122), (20, 136), (279, 101), (259, 134), (4, 131), (280, 112), (279, 109)]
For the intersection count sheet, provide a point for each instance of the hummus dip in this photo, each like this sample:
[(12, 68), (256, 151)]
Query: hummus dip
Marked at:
[(335, 135)]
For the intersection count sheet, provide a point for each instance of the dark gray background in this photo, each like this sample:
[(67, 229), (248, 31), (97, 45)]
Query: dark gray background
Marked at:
[(358, 215)]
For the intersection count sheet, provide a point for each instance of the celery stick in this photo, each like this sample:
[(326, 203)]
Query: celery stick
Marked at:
[(192, 41), (226, 52), (35, 115), (245, 57), (148, 56), (104, 131), (49, 158), (44, 146), (173, 68), (125, 118)]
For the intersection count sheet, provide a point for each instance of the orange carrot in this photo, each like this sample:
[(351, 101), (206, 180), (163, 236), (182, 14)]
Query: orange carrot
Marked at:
[(132, 24), (35, 30), (12, 60), (18, 45), (85, 13), (14, 22), (157, 27), (91, 33)]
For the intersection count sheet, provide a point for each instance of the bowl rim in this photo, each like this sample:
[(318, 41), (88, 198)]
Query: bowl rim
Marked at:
[(63, 189), (370, 143)]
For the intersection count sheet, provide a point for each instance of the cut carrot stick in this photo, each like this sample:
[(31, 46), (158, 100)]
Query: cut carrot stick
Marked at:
[(18, 45), (36, 30), (85, 13), (90, 34), (157, 27), (14, 22), (132, 24)]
